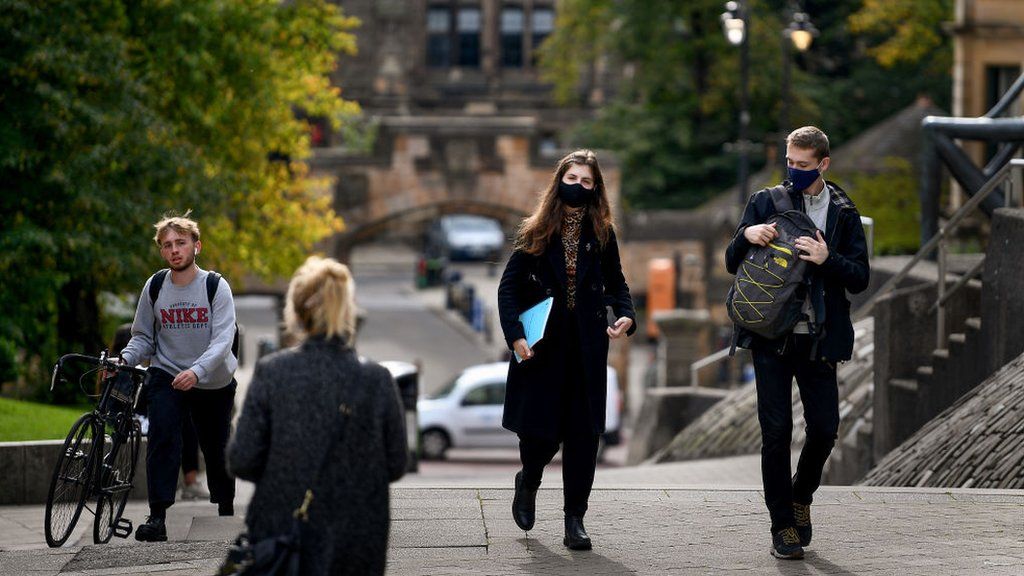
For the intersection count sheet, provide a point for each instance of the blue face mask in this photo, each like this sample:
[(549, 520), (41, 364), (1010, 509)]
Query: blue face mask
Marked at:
[(802, 179)]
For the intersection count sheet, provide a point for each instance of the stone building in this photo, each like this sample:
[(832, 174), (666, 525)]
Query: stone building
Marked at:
[(464, 122), (988, 55)]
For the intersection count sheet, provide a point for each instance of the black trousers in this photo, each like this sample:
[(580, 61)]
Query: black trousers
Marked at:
[(819, 394), (189, 446), (210, 412), (577, 439)]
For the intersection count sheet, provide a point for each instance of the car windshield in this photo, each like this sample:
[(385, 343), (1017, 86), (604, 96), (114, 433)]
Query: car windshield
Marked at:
[(471, 223), (445, 390)]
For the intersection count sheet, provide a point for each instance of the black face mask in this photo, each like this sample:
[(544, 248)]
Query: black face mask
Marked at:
[(574, 195)]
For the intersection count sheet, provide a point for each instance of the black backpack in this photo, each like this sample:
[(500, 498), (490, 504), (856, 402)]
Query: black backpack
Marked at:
[(212, 283), (771, 283)]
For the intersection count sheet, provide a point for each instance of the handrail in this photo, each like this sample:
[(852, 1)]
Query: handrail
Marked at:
[(713, 358), (944, 295), (964, 279), (951, 225)]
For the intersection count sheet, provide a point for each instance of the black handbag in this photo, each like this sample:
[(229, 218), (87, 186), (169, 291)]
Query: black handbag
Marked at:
[(277, 555), (271, 556)]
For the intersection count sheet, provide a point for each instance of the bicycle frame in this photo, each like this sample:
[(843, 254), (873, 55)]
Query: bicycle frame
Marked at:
[(106, 478)]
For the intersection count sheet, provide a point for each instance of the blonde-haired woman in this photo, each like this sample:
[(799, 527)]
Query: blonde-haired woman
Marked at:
[(556, 396), (317, 403)]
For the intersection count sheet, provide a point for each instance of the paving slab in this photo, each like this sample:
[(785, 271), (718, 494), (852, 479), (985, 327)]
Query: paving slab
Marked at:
[(643, 531), (215, 528)]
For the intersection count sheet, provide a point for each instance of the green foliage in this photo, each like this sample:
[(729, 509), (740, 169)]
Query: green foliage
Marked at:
[(905, 31), (676, 102), (23, 421), (116, 112), (890, 198)]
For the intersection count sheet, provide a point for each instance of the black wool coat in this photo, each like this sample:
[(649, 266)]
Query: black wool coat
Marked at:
[(302, 402), (534, 392), (845, 270)]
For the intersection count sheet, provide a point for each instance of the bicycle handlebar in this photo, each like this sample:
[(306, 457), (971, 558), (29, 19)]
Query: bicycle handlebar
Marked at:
[(102, 360)]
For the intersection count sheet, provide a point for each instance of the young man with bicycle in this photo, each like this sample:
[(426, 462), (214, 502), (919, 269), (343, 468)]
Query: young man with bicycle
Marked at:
[(188, 340)]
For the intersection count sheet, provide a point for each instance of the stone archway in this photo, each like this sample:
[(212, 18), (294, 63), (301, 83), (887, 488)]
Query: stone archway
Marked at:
[(368, 231), (485, 165)]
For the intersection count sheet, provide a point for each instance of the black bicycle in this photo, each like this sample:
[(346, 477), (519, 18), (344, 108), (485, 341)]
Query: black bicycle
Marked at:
[(97, 461)]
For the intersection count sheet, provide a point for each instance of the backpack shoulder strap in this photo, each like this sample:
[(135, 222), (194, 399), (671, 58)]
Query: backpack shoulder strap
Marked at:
[(155, 284), (212, 283), (780, 198)]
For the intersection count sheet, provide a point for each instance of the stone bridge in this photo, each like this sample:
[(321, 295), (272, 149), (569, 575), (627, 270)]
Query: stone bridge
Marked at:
[(426, 166)]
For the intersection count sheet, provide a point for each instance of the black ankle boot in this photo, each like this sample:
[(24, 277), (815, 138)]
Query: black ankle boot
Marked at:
[(575, 535), (524, 504)]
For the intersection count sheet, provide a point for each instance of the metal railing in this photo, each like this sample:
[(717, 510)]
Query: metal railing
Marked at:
[(940, 241)]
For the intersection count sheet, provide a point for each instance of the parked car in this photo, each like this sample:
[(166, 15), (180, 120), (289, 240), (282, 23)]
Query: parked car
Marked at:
[(467, 412), (464, 237)]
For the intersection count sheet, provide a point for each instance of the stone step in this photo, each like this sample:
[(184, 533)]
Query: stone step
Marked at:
[(957, 338), (925, 371), (906, 383), (941, 353), (974, 323)]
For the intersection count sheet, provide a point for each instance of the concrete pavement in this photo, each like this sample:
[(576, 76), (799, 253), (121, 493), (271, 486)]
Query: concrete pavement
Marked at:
[(638, 527)]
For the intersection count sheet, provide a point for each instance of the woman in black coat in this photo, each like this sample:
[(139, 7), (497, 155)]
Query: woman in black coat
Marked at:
[(556, 395), (314, 400)]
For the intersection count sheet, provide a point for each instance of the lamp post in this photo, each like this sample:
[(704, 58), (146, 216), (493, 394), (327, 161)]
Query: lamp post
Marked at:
[(735, 24), (800, 33)]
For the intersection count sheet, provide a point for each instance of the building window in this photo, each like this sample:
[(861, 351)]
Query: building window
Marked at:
[(468, 28), (439, 40), (512, 25), (999, 80), (542, 24)]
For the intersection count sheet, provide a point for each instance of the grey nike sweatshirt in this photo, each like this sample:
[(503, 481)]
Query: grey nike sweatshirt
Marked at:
[(181, 330)]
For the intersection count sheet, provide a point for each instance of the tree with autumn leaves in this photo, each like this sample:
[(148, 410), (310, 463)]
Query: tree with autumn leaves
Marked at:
[(677, 80), (114, 112)]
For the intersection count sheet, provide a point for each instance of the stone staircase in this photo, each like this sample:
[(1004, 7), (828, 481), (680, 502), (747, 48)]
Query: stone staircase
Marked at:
[(977, 442), (730, 427), (949, 373)]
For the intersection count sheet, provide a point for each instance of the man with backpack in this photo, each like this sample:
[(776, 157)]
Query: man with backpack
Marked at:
[(798, 250), (185, 325)]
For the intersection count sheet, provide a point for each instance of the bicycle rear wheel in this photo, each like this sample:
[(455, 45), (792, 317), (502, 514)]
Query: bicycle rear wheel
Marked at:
[(117, 472), (72, 480)]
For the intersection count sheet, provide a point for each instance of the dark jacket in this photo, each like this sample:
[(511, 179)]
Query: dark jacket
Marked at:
[(845, 270), (301, 402), (533, 394)]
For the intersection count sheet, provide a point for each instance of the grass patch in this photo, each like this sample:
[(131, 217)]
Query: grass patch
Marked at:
[(21, 420)]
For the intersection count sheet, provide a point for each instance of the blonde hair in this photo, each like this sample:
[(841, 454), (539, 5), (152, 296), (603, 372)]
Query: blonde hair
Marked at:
[(321, 300), (180, 224)]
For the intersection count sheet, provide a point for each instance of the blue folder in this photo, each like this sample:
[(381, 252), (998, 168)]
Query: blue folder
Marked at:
[(534, 321)]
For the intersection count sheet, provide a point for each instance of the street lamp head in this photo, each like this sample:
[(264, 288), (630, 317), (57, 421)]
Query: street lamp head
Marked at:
[(735, 30), (733, 24), (801, 32), (801, 39)]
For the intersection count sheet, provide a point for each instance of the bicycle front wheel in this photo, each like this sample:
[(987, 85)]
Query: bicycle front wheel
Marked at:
[(72, 479), (117, 473)]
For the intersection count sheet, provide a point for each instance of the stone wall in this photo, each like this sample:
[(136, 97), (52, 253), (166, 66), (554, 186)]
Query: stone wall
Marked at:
[(1002, 301), (28, 469)]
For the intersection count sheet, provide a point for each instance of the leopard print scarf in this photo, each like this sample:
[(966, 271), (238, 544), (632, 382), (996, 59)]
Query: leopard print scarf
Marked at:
[(572, 223)]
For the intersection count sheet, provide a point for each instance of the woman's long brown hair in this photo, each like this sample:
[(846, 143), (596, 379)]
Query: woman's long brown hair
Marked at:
[(538, 228)]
